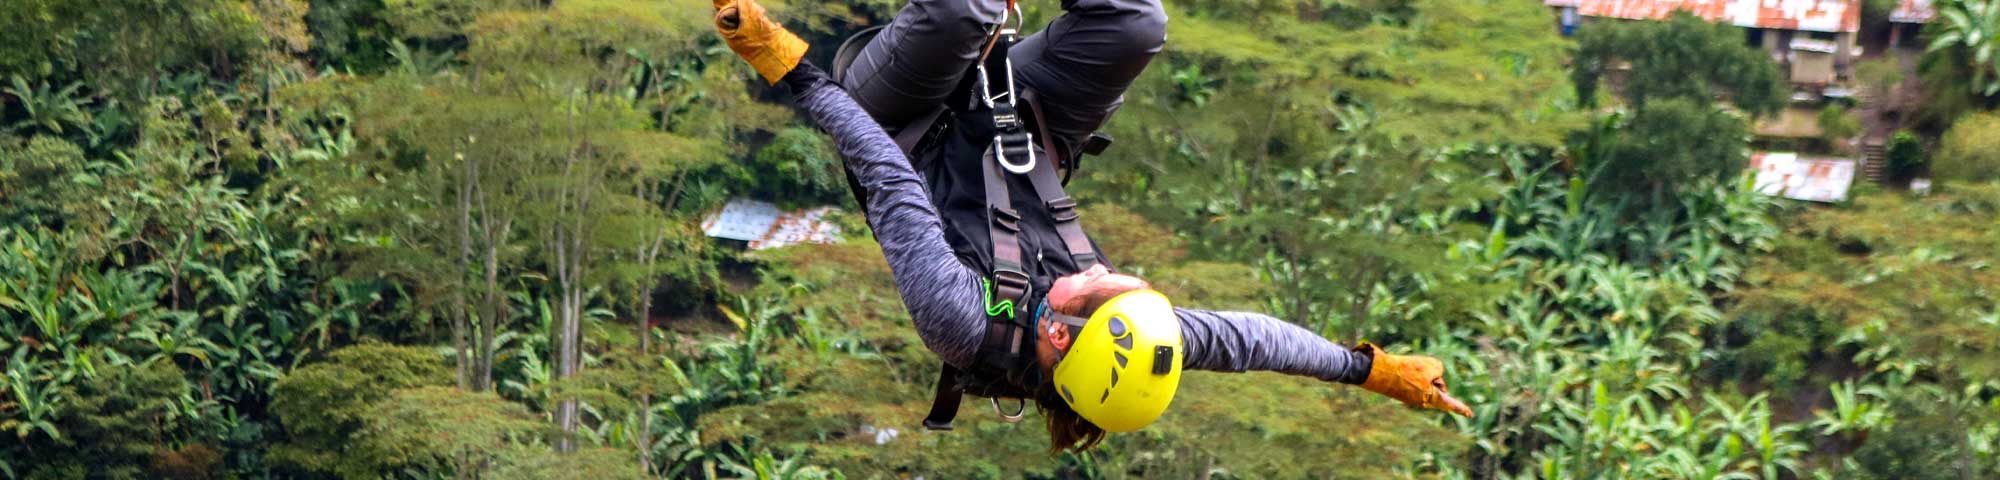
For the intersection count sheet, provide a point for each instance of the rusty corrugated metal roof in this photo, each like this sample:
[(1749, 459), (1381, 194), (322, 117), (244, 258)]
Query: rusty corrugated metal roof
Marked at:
[(1913, 11), (1816, 179), (1808, 15), (763, 225)]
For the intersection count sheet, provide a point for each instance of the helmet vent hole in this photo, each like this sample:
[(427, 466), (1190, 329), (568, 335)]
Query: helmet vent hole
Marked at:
[(1121, 358), (1106, 396), (1067, 396), (1114, 377)]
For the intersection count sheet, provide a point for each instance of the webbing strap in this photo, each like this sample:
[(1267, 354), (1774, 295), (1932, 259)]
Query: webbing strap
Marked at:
[(944, 407), (914, 132), (1061, 208), (1010, 280)]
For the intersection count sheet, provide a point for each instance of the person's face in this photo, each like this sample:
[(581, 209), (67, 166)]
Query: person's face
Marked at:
[(1065, 295)]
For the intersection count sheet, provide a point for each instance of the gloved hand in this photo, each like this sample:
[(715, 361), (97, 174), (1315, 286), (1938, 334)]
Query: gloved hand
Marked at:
[(1416, 380), (771, 49)]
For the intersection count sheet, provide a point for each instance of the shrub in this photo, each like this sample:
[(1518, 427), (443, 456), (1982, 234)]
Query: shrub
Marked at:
[(1971, 150), (323, 405), (799, 164), (1836, 126), (1906, 155)]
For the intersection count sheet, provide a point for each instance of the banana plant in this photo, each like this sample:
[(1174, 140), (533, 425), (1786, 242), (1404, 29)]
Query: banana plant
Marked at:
[(1975, 26), (35, 401), (49, 108), (761, 464), (179, 335), (1853, 412)]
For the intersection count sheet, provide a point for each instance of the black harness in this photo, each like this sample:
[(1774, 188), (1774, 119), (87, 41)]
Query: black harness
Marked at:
[(1006, 214)]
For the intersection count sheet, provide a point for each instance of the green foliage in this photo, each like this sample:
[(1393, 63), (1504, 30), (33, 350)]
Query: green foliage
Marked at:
[(46, 179), (325, 405), (126, 418), (1970, 151), (440, 430), (1890, 280), (1683, 57), (120, 45), (1436, 72), (1675, 133), (803, 167), (1672, 143), (528, 462), (1935, 435), (1836, 126), (1971, 27), (1881, 76), (1906, 155)]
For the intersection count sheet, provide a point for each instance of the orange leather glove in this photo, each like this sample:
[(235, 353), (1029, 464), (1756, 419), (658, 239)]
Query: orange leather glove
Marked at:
[(771, 49), (1416, 380)]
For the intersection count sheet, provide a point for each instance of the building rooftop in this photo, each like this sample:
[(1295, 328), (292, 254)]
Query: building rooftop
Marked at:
[(763, 225), (1790, 175), (1807, 15), (1913, 11)]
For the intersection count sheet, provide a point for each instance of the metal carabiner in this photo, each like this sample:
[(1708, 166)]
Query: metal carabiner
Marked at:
[(1020, 409)]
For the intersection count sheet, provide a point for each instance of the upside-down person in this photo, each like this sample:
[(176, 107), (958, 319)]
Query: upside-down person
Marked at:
[(998, 276)]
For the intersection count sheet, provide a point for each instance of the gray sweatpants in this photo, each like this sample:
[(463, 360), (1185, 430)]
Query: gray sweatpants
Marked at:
[(1079, 66)]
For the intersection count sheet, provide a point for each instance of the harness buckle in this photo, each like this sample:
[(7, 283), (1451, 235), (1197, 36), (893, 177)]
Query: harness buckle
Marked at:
[(1062, 209), (1006, 279), (1007, 218), (1020, 408)]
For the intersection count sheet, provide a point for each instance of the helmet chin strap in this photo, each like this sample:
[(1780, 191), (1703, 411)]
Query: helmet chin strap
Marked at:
[(1046, 317)]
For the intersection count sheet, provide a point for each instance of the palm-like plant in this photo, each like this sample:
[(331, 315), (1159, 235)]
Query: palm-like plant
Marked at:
[(49, 108), (1974, 25), (763, 465), (34, 402), (1852, 413)]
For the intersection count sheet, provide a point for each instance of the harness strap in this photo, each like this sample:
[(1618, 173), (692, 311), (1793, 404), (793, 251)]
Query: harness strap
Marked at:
[(1061, 208), (1068, 161), (1010, 278), (944, 407), (911, 134)]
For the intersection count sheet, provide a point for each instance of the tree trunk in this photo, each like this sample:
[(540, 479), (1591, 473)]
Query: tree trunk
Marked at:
[(461, 341), (648, 260)]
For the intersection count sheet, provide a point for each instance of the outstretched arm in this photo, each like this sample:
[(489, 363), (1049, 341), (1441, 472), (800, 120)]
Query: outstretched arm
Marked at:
[(943, 295), (1244, 341), (1241, 341)]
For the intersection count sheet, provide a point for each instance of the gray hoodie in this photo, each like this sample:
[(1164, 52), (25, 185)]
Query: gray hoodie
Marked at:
[(945, 297)]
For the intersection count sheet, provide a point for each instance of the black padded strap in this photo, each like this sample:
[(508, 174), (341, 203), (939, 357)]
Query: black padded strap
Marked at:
[(907, 138), (944, 407)]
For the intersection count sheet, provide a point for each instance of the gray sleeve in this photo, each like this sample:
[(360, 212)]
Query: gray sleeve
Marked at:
[(944, 296), (1243, 341)]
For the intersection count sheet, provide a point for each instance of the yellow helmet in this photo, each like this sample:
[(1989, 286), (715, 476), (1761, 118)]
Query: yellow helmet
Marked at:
[(1124, 364)]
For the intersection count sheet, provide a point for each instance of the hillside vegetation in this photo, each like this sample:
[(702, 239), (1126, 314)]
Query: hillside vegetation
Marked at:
[(461, 239)]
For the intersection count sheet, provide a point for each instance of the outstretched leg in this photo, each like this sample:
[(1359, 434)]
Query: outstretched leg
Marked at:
[(918, 59), (1082, 63)]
